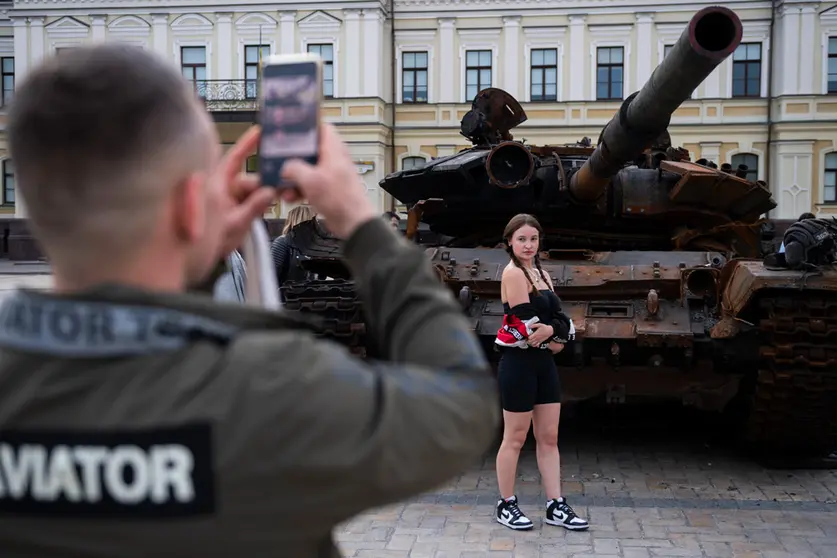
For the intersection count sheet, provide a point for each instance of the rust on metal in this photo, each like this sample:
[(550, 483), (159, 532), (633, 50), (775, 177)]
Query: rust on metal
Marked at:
[(509, 165), (652, 302), (746, 278)]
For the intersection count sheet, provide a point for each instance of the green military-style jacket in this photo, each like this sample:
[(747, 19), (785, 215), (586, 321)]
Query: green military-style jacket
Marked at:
[(139, 424)]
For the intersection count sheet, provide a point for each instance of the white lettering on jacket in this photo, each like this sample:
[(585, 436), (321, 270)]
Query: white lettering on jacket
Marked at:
[(126, 474)]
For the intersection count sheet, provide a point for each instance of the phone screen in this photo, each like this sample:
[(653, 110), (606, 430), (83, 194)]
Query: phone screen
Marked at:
[(289, 118)]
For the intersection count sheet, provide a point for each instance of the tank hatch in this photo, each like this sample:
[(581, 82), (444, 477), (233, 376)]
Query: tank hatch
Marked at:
[(493, 113)]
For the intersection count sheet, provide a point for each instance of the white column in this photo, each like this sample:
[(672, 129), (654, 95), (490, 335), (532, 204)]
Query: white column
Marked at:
[(225, 46), (809, 44), (36, 40), (160, 26), (511, 56), (712, 84), (644, 49), (790, 51), (352, 57), (711, 151), (447, 61), (287, 33), (578, 58), (97, 24), (21, 42), (371, 52)]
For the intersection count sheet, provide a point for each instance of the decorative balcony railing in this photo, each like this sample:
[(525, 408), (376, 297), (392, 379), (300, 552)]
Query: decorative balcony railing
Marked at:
[(223, 95)]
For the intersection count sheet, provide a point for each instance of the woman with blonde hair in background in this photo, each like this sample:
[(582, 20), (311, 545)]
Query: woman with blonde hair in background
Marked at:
[(284, 251)]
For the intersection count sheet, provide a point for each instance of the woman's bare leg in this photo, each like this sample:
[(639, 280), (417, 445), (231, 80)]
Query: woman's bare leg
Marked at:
[(545, 420), (515, 429)]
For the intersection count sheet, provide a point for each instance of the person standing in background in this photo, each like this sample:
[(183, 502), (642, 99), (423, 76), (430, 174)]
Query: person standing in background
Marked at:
[(284, 250)]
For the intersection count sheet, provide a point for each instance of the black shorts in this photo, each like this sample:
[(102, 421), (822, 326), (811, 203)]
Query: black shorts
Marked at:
[(528, 377)]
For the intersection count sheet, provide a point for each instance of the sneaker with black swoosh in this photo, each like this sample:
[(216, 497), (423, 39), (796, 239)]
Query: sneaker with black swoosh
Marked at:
[(509, 514)]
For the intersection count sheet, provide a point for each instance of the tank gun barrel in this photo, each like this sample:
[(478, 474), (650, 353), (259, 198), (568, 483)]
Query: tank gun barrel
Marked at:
[(711, 36)]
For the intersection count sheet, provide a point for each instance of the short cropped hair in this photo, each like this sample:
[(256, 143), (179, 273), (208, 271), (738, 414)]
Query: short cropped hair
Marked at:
[(98, 136)]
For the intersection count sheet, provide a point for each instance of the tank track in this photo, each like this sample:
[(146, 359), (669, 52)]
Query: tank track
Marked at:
[(794, 404), (337, 304)]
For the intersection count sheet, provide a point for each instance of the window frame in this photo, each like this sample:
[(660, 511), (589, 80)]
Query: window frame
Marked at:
[(543, 68), (4, 101), (828, 58), (747, 63), (412, 158), (6, 175), (326, 63), (751, 170), (414, 71), (825, 172), (610, 66), (479, 68), (247, 65)]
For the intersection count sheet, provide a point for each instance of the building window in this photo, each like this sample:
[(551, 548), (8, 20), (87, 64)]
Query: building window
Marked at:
[(477, 72), (412, 163), (752, 162), (326, 52), (414, 77), (544, 74), (8, 182), (832, 64), (746, 70), (667, 50), (609, 69), (193, 66), (253, 56), (829, 194), (7, 66)]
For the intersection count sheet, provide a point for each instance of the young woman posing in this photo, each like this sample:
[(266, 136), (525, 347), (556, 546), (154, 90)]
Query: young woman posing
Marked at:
[(529, 385)]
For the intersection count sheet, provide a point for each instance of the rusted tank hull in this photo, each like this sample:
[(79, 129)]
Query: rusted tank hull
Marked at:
[(691, 327)]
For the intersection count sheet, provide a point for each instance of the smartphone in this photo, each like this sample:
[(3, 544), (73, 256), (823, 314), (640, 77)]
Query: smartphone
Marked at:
[(289, 113)]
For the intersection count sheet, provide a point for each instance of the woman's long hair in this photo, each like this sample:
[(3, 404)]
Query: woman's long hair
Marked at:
[(296, 216), (518, 221)]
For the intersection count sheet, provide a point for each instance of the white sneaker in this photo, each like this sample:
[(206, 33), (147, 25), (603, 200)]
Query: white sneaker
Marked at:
[(559, 512), (509, 514)]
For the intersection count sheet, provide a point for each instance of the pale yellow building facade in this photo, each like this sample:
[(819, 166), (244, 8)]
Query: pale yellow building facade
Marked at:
[(570, 63)]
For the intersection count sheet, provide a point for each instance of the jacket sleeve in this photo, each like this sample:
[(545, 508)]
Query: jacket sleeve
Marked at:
[(560, 322), (342, 435), (280, 252)]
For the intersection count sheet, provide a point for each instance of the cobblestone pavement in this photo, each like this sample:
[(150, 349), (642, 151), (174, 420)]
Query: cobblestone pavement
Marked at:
[(645, 496)]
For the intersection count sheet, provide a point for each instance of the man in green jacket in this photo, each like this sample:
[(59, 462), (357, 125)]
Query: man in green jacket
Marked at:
[(137, 419)]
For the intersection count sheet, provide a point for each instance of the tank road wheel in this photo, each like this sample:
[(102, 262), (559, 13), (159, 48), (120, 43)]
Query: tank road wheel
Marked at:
[(337, 303), (794, 404)]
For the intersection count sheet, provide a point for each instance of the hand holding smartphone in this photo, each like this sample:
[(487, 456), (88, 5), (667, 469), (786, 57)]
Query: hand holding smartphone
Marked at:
[(291, 95)]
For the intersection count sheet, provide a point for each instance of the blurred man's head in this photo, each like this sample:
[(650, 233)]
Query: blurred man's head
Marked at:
[(113, 154)]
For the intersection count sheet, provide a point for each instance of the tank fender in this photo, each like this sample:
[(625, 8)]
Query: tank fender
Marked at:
[(741, 280)]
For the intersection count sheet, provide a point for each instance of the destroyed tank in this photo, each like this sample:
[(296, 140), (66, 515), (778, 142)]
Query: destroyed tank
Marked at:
[(658, 260)]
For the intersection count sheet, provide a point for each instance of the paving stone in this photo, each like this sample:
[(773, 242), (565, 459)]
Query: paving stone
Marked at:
[(641, 503)]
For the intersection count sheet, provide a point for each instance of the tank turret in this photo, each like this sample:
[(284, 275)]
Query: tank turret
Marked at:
[(711, 36), (632, 190)]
